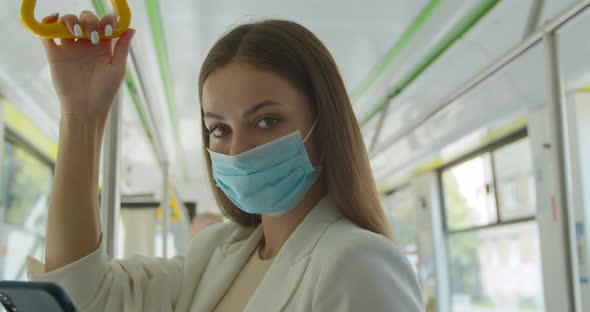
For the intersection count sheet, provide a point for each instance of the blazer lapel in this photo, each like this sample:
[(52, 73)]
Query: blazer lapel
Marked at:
[(286, 272), (225, 264)]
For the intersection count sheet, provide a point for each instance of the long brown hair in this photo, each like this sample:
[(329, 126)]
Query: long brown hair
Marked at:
[(293, 52)]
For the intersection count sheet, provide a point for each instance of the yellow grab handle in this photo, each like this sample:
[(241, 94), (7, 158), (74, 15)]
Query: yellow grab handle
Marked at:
[(174, 205), (59, 30)]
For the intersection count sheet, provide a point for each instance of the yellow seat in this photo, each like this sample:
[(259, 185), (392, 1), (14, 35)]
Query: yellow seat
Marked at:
[(59, 30)]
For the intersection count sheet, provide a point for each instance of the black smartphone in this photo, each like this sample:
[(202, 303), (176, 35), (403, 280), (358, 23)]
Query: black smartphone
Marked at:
[(34, 296)]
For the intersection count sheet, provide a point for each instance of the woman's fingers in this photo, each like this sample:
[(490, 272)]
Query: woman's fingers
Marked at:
[(122, 47), (90, 22), (51, 18), (108, 24), (93, 26), (49, 43), (73, 24)]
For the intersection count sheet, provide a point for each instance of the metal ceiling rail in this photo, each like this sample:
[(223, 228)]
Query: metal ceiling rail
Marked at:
[(492, 69), (534, 17), (134, 93), (142, 99), (406, 37), (458, 31)]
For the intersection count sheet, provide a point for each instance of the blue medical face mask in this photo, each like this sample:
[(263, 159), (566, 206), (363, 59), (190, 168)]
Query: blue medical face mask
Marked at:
[(269, 179)]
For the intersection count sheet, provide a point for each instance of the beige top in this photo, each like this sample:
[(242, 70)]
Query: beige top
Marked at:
[(243, 287)]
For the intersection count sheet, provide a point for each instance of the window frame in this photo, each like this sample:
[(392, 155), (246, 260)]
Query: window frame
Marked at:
[(12, 137), (449, 233), (18, 141), (489, 148)]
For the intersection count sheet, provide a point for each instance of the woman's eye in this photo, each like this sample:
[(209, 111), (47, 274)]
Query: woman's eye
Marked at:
[(267, 122), (218, 131)]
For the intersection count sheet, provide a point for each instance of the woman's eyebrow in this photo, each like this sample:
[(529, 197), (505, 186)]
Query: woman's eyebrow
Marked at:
[(249, 112), (214, 116), (259, 106)]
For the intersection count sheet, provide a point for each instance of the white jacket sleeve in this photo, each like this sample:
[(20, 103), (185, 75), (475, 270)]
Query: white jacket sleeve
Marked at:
[(135, 284), (369, 275)]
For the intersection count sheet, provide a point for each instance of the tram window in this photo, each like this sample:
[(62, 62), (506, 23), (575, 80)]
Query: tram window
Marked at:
[(25, 190), (469, 193), (515, 180), (497, 267), (413, 235), (492, 234), (26, 182), (402, 215)]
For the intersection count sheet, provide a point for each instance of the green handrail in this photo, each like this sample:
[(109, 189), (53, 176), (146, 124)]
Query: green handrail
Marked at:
[(470, 20), (156, 26), (100, 7), (101, 10), (406, 37), (153, 12)]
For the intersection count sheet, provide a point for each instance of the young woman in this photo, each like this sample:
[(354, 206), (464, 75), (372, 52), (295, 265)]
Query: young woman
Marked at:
[(288, 165)]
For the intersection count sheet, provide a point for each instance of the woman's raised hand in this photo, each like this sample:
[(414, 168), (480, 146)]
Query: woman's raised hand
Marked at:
[(87, 73)]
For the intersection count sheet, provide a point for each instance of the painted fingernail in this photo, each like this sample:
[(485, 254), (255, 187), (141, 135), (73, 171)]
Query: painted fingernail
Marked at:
[(108, 30), (54, 14), (77, 30), (94, 37)]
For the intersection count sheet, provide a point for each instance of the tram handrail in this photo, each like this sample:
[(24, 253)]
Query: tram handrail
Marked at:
[(60, 30), (485, 73)]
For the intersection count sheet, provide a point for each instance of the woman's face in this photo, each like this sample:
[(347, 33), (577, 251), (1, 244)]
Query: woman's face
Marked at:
[(245, 107)]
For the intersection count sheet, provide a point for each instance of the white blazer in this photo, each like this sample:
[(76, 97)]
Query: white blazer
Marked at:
[(327, 264)]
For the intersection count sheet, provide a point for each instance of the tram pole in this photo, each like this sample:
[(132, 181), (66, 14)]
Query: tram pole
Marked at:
[(110, 193)]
